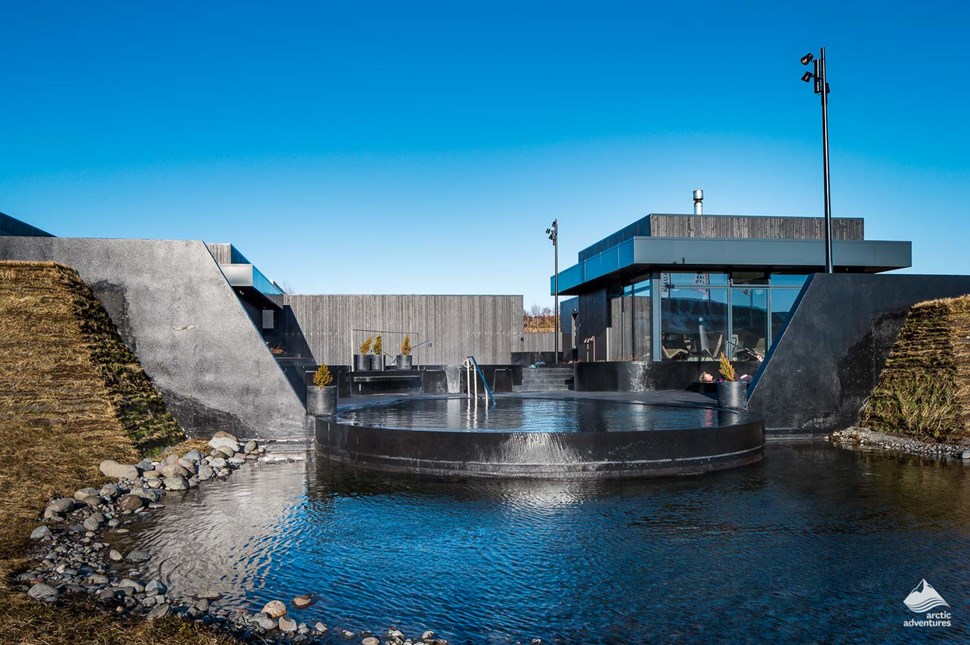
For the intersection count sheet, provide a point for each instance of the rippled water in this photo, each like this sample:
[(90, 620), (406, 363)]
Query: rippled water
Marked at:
[(813, 544), (518, 414)]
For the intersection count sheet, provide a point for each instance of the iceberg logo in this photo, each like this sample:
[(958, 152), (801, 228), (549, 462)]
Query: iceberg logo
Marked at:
[(924, 598)]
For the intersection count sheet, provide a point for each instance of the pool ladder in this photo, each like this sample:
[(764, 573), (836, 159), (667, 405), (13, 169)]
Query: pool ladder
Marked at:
[(470, 365)]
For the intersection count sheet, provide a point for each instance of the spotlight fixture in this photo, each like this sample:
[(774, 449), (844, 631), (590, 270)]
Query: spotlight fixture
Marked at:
[(807, 58), (807, 77)]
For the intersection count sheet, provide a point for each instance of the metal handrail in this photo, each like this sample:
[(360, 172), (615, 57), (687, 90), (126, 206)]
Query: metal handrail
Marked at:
[(469, 362)]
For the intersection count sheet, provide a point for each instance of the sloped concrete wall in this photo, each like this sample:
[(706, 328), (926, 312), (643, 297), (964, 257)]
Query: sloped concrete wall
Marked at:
[(827, 359), (175, 310)]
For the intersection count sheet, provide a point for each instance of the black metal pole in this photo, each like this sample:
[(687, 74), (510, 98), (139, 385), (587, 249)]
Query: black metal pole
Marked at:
[(555, 247), (823, 89)]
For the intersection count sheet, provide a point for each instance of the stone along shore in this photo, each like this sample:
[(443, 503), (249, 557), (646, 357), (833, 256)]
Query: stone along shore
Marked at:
[(74, 558)]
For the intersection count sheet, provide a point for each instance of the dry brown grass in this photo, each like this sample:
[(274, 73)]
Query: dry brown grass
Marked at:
[(68, 398), (924, 389)]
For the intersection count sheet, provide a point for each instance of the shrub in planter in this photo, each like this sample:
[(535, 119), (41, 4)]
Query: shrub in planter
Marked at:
[(321, 397), (403, 360), (377, 360), (361, 360), (731, 394)]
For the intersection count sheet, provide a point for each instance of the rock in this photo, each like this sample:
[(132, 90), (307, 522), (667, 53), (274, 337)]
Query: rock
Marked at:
[(202, 605), (145, 464), (218, 463), (965, 454), (174, 470), (188, 465), (303, 601), (93, 523), (237, 461), (134, 585), (287, 625), (159, 611), (155, 588), (152, 474), (209, 595), (427, 636), (92, 501), (97, 579), (347, 634), (320, 627), (146, 494), (225, 442), (371, 640), (109, 491), (154, 483), (41, 533), (264, 621), (251, 446), (111, 468), (193, 456), (171, 459), (80, 494), (115, 556), (274, 609), (43, 592), (105, 595), (176, 483), (205, 472), (137, 556), (130, 502), (62, 505)]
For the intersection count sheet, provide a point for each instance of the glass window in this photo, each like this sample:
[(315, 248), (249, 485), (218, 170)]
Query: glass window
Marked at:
[(749, 277), (631, 323), (787, 280), (781, 304), (749, 320), (693, 323)]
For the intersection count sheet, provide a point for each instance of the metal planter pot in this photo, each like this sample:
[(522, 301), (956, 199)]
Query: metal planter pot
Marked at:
[(376, 362), (321, 401), (361, 362), (403, 362), (732, 395)]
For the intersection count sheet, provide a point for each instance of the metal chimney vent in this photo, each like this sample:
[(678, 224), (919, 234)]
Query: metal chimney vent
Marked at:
[(698, 202)]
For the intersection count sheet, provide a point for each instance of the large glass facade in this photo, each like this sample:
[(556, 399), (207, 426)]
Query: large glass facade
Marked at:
[(631, 323), (697, 316)]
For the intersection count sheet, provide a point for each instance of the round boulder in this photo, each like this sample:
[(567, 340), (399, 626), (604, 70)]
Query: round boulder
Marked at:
[(111, 468), (274, 609)]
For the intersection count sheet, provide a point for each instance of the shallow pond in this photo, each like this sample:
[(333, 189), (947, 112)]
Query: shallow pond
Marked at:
[(814, 543)]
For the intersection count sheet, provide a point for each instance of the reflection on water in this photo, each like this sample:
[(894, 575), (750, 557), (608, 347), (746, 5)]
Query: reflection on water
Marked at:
[(813, 544), (516, 414)]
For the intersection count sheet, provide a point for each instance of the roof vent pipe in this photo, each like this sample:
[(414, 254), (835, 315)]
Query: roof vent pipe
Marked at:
[(698, 202)]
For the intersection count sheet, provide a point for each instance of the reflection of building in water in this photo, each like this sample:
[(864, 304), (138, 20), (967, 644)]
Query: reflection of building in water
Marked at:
[(687, 287)]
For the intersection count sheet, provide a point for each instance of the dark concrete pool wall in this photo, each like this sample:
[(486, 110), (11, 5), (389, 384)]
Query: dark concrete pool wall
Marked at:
[(553, 455)]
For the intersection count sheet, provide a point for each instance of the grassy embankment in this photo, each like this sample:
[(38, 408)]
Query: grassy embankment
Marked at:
[(924, 389), (71, 395)]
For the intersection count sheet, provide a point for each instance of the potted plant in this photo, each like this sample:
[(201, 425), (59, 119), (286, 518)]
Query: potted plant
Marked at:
[(377, 358), (321, 397), (404, 361), (731, 393), (361, 361)]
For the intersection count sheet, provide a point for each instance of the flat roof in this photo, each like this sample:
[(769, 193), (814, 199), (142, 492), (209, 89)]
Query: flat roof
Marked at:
[(640, 254)]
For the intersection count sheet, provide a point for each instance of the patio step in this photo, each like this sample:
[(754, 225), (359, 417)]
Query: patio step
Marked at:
[(546, 379)]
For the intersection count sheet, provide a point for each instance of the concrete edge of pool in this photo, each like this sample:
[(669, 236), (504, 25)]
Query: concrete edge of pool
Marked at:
[(541, 455)]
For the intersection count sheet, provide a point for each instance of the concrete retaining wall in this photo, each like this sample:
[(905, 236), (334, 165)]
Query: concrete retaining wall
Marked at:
[(827, 359), (175, 310)]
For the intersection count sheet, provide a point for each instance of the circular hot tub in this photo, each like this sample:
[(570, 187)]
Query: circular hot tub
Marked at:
[(551, 438)]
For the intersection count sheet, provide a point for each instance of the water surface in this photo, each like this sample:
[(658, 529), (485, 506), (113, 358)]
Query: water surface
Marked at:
[(812, 544)]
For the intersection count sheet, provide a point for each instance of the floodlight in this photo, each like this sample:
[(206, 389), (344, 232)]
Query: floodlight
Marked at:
[(807, 77), (807, 58)]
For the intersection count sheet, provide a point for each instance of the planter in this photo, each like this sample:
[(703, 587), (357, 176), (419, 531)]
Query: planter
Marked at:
[(732, 395), (321, 401), (403, 362), (376, 362), (361, 362)]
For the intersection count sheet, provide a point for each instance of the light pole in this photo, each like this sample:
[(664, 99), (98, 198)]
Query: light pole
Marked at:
[(553, 234), (822, 88)]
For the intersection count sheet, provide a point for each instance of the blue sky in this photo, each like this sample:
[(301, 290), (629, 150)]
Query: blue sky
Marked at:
[(424, 148)]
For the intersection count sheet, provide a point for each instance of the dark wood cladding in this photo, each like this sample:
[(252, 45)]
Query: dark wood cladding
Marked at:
[(731, 227), (593, 319), (457, 326), (747, 227)]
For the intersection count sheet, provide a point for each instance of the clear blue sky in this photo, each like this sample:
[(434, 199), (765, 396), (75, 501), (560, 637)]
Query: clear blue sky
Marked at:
[(424, 148)]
